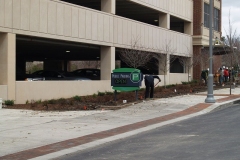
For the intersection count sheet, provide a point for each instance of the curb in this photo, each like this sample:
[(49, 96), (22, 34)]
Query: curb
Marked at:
[(226, 104)]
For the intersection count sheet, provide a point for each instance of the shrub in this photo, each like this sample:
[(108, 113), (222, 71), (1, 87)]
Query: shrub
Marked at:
[(9, 102), (62, 101), (101, 94), (170, 85), (27, 102), (38, 101), (94, 95), (52, 101), (184, 83), (109, 93), (77, 98), (194, 81)]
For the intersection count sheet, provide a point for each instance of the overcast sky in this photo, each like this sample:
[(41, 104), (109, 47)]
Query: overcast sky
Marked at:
[(232, 6)]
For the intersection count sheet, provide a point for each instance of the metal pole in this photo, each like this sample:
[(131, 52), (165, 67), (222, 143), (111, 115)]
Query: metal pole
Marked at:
[(115, 95), (136, 94), (210, 97)]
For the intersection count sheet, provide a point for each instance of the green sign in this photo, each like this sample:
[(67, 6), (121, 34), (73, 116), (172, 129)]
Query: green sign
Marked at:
[(126, 79)]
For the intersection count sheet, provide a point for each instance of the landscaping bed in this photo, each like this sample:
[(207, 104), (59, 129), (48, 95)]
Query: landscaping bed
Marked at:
[(106, 100)]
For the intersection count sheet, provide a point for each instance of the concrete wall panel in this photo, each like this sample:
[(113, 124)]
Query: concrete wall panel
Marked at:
[(67, 21), (125, 32), (134, 30), (60, 19), (88, 24), (34, 15), (115, 29), (2, 10), (146, 40), (3, 92), (52, 17), (25, 14), (107, 28), (16, 14), (129, 32), (94, 28), (75, 22), (110, 32), (100, 29), (43, 16), (8, 13), (57, 89), (120, 31), (82, 23), (142, 34), (181, 77), (150, 38)]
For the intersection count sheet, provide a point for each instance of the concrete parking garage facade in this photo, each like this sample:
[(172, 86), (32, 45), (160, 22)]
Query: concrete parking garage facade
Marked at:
[(59, 20)]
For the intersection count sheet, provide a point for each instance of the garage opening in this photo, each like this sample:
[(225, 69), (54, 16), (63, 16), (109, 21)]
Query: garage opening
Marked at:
[(34, 54)]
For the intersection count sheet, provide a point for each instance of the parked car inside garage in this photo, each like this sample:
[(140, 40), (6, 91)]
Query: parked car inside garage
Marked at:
[(54, 75), (91, 73)]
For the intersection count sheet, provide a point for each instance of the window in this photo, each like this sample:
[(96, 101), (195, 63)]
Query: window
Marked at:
[(176, 67), (216, 19), (207, 16)]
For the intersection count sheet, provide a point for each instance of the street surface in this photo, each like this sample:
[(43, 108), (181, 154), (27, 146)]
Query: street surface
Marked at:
[(214, 136)]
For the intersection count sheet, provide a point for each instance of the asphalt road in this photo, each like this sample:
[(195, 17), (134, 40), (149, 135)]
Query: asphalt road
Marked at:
[(213, 136)]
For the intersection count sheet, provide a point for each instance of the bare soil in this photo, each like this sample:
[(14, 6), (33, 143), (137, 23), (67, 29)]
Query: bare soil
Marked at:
[(106, 100)]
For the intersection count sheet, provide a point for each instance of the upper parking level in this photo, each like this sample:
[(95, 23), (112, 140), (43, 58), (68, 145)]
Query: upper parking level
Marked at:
[(170, 14), (59, 20)]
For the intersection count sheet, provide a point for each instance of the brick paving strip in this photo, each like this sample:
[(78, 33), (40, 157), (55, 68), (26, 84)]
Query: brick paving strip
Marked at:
[(40, 151), (230, 97)]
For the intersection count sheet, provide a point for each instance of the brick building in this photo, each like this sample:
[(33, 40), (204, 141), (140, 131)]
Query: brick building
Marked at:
[(201, 32)]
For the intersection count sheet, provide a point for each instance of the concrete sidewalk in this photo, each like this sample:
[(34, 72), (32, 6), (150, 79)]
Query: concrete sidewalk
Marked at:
[(28, 134)]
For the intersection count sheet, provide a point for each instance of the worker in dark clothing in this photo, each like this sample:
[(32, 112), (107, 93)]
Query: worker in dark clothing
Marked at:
[(149, 83)]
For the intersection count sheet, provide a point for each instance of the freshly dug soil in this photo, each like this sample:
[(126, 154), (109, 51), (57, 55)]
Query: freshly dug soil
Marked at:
[(106, 100)]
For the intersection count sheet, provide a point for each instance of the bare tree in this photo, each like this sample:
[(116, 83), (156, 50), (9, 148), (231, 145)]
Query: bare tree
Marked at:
[(164, 58), (188, 61), (136, 56)]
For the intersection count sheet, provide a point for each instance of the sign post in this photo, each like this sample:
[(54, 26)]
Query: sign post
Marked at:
[(126, 79)]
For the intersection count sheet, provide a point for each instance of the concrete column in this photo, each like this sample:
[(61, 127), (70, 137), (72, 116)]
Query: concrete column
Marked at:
[(107, 62), (188, 28), (66, 66), (8, 63), (108, 6), (164, 20)]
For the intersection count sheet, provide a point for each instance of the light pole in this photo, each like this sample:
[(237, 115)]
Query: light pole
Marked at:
[(210, 97)]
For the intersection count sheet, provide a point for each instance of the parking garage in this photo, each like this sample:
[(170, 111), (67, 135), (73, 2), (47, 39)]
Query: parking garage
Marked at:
[(56, 33)]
